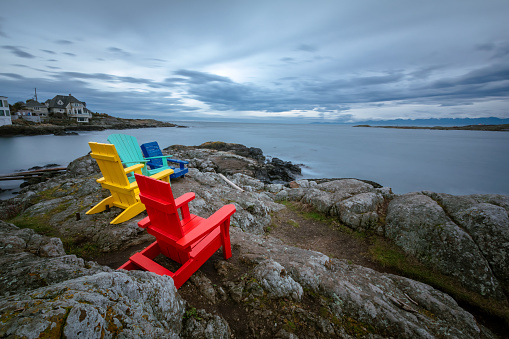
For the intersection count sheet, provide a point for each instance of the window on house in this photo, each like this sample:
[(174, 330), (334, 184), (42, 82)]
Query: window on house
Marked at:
[(82, 119), (1, 103), (8, 113)]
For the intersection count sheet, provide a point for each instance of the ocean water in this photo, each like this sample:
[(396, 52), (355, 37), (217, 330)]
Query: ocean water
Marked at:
[(455, 162)]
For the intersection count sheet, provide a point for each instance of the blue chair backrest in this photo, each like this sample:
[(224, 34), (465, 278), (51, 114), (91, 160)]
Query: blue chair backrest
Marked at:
[(151, 149)]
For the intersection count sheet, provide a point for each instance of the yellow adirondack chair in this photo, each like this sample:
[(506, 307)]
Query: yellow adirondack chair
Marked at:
[(123, 194)]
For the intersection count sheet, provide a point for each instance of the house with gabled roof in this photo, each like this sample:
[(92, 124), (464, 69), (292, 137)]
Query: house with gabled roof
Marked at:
[(70, 107), (35, 108)]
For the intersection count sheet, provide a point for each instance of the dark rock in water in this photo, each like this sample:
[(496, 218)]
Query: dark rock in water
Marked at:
[(42, 167), (239, 149), (63, 133)]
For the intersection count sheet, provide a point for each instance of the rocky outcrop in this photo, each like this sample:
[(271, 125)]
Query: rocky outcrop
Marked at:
[(62, 127), (46, 293), (354, 202), (463, 237), (350, 296), (230, 159)]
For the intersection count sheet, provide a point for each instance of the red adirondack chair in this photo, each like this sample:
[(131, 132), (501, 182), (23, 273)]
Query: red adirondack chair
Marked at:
[(188, 240)]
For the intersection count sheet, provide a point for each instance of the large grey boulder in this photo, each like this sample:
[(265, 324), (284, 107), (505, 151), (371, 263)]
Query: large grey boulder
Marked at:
[(360, 211), (354, 202), (485, 218), (29, 260), (104, 305), (420, 226), (48, 293)]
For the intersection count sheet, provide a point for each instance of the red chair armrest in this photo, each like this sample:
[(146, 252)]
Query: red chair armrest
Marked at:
[(184, 199), (215, 220), (144, 223)]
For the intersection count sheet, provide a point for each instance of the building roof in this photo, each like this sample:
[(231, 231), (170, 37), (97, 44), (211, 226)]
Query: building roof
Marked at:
[(64, 99), (33, 103)]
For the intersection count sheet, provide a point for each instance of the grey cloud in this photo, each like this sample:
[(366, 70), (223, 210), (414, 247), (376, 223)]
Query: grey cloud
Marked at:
[(287, 60), (196, 77), (119, 51), (12, 76), (307, 48), (64, 42), (48, 51), (499, 49), (102, 76), (17, 51), (118, 103), (489, 74), (69, 54)]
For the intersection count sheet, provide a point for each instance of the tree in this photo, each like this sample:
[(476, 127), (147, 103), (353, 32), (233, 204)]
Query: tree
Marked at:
[(16, 107)]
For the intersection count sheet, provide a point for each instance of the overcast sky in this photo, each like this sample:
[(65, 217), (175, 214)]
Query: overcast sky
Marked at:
[(331, 60)]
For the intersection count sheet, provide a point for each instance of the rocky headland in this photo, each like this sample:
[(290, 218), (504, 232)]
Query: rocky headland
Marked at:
[(311, 258), (501, 127), (98, 122)]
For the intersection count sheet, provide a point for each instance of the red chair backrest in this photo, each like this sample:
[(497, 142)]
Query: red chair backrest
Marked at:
[(157, 197)]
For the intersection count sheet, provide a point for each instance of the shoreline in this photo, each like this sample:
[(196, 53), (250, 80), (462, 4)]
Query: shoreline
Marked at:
[(62, 127), (497, 128)]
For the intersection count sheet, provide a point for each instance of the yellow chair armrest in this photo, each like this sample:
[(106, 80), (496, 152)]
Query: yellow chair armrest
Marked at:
[(133, 168), (163, 174)]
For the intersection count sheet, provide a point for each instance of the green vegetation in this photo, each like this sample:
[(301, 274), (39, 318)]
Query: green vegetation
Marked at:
[(293, 223), (38, 224), (81, 248), (192, 312)]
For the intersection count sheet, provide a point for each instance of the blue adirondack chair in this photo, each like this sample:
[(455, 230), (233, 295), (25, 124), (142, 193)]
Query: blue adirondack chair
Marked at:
[(130, 153), (152, 151)]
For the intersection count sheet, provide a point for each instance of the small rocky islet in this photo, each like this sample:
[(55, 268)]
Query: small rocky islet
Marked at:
[(440, 262)]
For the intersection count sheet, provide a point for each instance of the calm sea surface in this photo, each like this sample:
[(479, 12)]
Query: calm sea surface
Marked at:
[(455, 162)]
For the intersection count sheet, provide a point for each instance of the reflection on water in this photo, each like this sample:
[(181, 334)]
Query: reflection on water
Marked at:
[(456, 162)]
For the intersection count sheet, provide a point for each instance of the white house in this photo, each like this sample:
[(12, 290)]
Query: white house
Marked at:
[(35, 108), (70, 107), (5, 113)]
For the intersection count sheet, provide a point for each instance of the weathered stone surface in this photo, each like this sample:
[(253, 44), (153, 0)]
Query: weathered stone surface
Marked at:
[(29, 260), (421, 227), (276, 281), (107, 304), (247, 182), (204, 325), (83, 167), (359, 211), (391, 306), (230, 159), (485, 218)]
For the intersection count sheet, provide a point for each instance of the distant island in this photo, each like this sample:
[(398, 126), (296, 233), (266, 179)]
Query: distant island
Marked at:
[(503, 127), (98, 122)]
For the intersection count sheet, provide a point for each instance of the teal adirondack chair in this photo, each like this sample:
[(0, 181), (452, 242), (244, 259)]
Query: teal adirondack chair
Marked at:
[(130, 154)]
